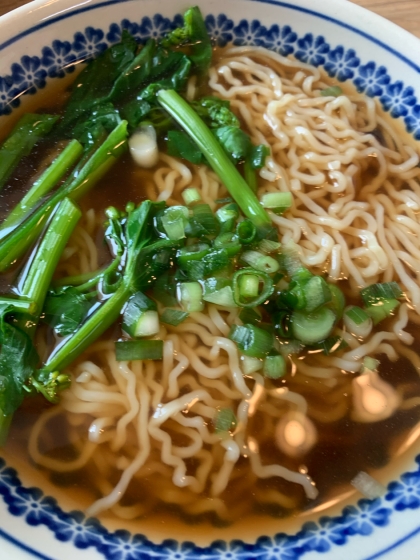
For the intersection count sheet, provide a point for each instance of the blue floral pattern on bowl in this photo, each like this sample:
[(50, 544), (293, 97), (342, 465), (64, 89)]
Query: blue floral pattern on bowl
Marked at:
[(30, 73), (360, 519), (27, 76)]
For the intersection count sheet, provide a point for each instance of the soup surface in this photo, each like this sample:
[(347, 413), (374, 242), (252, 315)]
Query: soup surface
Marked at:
[(139, 437)]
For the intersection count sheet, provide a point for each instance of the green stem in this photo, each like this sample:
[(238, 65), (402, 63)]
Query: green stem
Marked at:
[(15, 244), (97, 324), (214, 153), (19, 305), (21, 140), (43, 185), (250, 176), (43, 265)]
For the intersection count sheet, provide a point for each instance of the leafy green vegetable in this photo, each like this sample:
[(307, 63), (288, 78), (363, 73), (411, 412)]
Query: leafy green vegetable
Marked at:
[(146, 257), (194, 33), (235, 141), (66, 311), (80, 182), (18, 359), (95, 83), (215, 111), (181, 145)]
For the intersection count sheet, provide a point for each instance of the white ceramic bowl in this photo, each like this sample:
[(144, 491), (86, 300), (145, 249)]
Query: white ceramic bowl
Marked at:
[(42, 41)]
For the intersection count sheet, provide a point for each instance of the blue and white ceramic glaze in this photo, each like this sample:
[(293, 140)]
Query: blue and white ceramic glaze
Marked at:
[(44, 41)]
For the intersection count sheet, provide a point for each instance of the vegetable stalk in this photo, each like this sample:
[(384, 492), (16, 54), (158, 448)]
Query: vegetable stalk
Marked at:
[(195, 127), (42, 186), (15, 244)]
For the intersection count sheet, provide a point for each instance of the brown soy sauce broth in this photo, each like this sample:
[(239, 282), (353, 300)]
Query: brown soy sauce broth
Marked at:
[(344, 447)]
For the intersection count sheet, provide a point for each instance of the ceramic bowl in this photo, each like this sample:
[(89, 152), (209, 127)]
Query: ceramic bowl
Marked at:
[(41, 42)]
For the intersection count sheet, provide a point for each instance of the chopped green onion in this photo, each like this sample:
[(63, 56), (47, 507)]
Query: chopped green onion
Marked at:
[(274, 366), (164, 290), (248, 286), (225, 420), (338, 301), (137, 320), (268, 246), (195, 252), (249, 315), (357, 321), (228, 241), (190, 295), (333, 91), (250, 365), (277, 202), (227, 216), (173, 317), (290, 258), (264, 293), (252, 340), (356, 314), (191, 196), (211, 263), (174, 220), (290, 347), (282, 323), (312, 327), (370, 363), (223, 297), (218, 291), (260, 262), (129, 350), (317, 293), (382, 309), (379, 292), (246, 231), (205, 219)]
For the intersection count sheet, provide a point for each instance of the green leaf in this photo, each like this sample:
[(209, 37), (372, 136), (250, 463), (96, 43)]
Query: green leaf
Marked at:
[(257, 155), (194, 34), (66, 311), (180, 145), (95, 83), (18, 358), (235, 141)]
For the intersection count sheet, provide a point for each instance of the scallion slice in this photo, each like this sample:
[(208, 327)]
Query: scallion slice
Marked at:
[(246, 231), (357, 321), (173, 317), (250, 365), (129, 350), (277, 202), (379, 292), (174, 220), (249, 315), (228, 241), (260, 262), (195, 252), (190, 296), (225, 420), (274, 366), (227, 216), (317, 293), (311, 328), (265, 290), (252, 340), (205, 219), (268, 246), (333, 91), (191, 196), (382, 309)]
